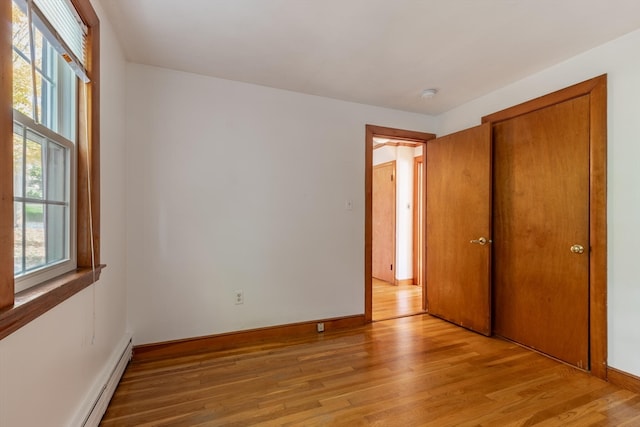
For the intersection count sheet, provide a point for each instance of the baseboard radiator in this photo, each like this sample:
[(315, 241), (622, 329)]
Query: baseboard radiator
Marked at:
[(105, 394)]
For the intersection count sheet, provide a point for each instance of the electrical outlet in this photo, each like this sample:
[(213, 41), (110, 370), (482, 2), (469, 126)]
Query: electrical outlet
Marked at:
[(320, 327), (239, 296)]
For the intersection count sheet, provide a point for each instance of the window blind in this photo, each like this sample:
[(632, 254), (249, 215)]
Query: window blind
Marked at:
[(61, 25)]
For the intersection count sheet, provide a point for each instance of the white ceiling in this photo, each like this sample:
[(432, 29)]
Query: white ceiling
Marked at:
[(378, 52)]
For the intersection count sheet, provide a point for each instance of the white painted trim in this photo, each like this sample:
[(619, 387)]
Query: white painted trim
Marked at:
[(95, 405)]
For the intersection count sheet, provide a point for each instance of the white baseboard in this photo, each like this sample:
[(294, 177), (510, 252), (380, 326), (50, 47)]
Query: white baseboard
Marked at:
[(95, 405)]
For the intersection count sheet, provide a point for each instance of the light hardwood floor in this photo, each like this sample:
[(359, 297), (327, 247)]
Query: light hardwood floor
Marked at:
[(410, 371), (391, 301)]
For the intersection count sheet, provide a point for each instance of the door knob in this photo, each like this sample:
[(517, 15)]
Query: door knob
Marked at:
[(577, 249), (481, 241)]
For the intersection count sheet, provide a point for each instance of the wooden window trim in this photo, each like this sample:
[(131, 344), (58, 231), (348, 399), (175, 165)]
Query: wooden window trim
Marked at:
[(16, 310)]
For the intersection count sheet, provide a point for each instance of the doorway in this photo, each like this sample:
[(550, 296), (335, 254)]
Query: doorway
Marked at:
[(394, 222)]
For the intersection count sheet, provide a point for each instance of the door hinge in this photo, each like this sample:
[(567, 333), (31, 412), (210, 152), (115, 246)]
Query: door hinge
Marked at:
[(391, 267), (391, 177)]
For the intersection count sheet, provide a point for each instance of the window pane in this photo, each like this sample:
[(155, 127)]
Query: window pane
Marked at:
[(46, 60), (56, 233), (34, 235), (66, 90), (56, 172), (34, 184), (18, 223), (20, 29), (22, 89), (18, 158), (22, 86), (47, 90)]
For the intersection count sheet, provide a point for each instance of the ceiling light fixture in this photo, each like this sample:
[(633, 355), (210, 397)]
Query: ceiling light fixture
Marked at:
[(428, 93), (380, 140)]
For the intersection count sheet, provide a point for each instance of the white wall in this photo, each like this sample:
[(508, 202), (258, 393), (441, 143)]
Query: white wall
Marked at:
[(404, 213), (50, 366), (620, 59), (385, 154), (237, 186)]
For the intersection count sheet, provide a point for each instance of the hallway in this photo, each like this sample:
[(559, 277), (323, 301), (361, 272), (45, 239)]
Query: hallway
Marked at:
[(390, 301)]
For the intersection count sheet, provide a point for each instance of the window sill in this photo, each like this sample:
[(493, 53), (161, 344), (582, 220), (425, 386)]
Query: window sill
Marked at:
[(34, 302)]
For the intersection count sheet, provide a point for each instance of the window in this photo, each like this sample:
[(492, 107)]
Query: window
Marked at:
[(49, 156), (44, 155)]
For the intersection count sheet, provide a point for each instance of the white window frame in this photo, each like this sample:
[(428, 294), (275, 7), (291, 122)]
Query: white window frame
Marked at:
[(30, 278), (64, 124)]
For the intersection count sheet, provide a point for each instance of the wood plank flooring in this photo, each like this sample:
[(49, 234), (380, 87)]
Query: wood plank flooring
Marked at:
[(391, 301), (410, 371)]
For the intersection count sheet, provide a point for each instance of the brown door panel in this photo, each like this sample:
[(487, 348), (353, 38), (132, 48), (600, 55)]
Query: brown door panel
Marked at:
[(541, 210), (384, 222), (458, 210)]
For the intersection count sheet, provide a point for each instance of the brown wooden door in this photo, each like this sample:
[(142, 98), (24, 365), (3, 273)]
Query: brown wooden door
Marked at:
[(383, 217), (458, 210), (541, 209)]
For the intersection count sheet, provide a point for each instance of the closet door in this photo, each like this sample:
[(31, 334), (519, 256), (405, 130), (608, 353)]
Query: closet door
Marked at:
[(383, 238), (458, 242), (541, 230)]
